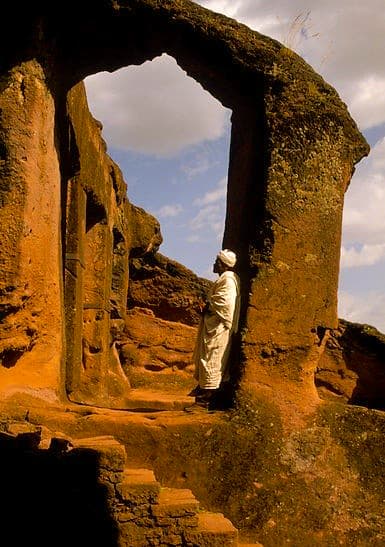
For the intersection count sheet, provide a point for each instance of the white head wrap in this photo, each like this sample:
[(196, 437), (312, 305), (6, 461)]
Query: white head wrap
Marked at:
[(227, 257)]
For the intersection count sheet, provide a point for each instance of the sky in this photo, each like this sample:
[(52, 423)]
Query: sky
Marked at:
[(171, 138)]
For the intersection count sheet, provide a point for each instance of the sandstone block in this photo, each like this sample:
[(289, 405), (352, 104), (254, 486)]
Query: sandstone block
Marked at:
[(173, 502), (214, 530), (138, 486), (111, 454)]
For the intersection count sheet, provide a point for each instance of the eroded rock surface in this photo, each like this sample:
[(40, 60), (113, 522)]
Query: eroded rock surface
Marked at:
[(293, 150), (285, 464), (157, 353), (352, 369), (164, 308), (170, 290)]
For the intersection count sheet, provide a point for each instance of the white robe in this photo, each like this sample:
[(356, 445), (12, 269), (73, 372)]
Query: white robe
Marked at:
[(215, 331)]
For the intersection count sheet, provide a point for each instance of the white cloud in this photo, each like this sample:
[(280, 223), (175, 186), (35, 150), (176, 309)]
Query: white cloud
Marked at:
[(210, 219), (198, 166), (364, 217), (154, 108), (193, 238), (367, 101), (367, 255), (168, 211), (218, 194), (343, 41), (377, 156), (208, 222), (228, 7), (364, 308)]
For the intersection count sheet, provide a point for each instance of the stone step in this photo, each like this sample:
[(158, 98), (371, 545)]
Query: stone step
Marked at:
[(147, 400), (139, 475), (138, 486), (111, 453), (175, 502), (213, 530), (247, 539)]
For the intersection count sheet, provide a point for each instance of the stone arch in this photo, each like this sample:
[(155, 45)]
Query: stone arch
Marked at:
[(293, 151)]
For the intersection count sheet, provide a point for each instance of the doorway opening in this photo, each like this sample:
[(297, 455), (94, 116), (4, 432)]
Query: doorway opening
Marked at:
[(171, 139)]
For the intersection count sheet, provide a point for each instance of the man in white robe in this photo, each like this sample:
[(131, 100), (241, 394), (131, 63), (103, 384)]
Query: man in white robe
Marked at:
[(218, 323)]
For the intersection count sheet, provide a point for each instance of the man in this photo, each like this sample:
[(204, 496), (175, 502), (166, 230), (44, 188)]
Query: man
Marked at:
[(218, 323)]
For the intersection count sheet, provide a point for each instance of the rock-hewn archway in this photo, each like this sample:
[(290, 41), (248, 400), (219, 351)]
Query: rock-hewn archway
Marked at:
[(293, 151)]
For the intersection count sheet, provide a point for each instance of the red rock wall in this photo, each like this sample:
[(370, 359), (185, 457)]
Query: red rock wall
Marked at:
[(31, 301), (68, 233), (103, 229), (293, 150)]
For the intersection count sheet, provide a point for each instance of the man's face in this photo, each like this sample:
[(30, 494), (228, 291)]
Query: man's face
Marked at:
[(219, 267), (216, 266)]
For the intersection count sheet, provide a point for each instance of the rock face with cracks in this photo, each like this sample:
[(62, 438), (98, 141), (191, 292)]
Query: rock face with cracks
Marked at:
[(293, 150), (169, 289), (283, 464)]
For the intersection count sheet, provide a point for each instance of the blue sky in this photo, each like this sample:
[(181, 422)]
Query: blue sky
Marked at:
[(187, 194), (171, 138)]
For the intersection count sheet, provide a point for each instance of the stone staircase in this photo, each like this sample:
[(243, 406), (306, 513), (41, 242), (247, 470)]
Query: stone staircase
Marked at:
[(140, 512), (148, 514)]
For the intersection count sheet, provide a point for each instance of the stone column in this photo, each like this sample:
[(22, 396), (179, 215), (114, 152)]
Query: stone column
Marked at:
[(31, 329), (284, 217), (96, 307), (74, 280)]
